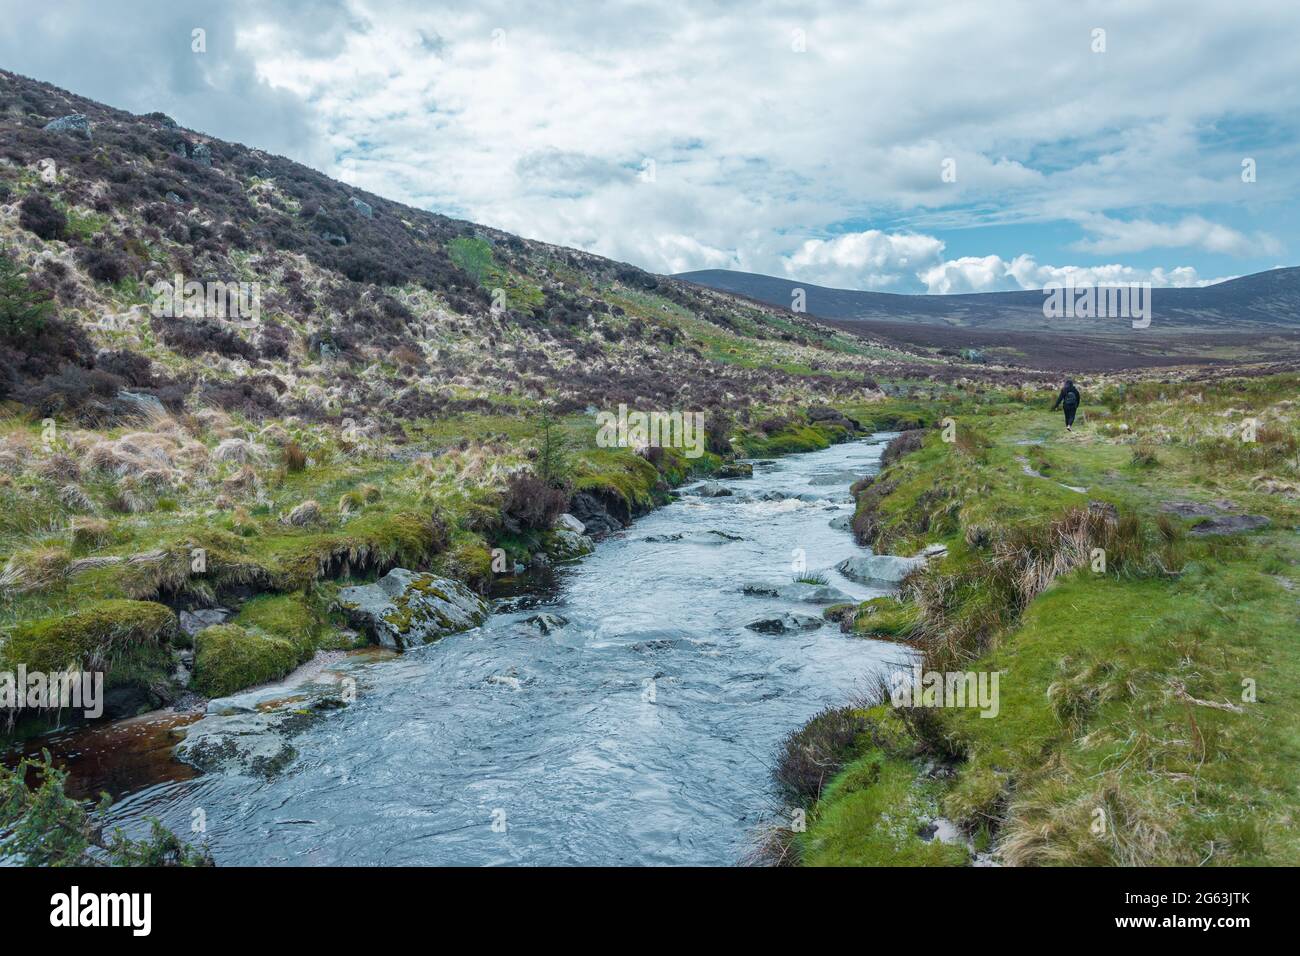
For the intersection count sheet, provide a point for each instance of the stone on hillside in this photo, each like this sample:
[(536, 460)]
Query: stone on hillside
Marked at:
[(75, 124), (595, 517), (201, 153), (363, 207), (405, 609)]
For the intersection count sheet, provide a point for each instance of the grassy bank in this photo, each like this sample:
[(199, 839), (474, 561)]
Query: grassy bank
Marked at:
[(268, 521), (1142, 716)]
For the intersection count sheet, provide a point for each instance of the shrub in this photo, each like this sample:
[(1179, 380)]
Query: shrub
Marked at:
[(1144, 458), (22, 308), (295, 459), (40, 216), (531, 504), (905, 443), (88, 395), (43, 826), (814, 753), (103, 265)]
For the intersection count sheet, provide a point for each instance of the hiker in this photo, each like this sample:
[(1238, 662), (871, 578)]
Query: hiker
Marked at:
[(1069, 400)]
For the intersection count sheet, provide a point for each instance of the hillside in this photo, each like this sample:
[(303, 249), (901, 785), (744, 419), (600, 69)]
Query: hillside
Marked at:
[(1263, 301), (399, 389)]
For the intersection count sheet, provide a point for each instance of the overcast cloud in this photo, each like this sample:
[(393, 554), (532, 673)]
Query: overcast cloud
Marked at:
[(805, 140)]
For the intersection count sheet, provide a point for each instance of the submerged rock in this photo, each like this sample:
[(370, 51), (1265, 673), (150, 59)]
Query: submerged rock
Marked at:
[(785, 624), (547, 622), (881, 568), (405, 609)]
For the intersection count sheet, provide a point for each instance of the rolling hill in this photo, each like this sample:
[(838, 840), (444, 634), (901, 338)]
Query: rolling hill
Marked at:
[(1263, 301)]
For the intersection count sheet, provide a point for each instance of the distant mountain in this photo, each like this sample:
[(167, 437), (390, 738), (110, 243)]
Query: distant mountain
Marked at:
[(1264, 301)]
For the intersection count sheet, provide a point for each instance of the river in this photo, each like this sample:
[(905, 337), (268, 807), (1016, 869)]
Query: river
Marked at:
[(643, 732)]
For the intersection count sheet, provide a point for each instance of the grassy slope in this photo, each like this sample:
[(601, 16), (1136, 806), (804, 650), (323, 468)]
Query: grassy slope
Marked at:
[(1108, 679)]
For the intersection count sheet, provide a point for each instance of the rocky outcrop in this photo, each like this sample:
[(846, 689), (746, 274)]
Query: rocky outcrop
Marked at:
[(194, 621), (1230, 524), (711, 489), (405, 609), (594, 516)]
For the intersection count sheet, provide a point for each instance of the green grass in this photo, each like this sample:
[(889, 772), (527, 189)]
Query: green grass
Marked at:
[(1124, 735)]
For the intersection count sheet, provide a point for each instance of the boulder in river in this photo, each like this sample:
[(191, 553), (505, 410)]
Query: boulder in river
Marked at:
[(711, 489), (405, 609), (565, 545), (878, 568), (803, 591), (735, 469), (250, 733), (785, 623)]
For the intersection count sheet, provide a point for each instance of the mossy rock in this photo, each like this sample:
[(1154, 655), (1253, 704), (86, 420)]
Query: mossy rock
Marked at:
[(98, 637), (887, 618), (229, 658), (292, 617), (468, 559)]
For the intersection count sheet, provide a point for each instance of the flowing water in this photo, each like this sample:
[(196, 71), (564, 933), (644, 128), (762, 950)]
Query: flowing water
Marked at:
[(643, 732)]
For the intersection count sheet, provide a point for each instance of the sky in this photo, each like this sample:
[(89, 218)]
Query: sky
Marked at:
[(902, 146)]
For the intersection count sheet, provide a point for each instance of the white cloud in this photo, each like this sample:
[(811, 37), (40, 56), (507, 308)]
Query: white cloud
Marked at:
[(1190, 232), (871, 259), (536, 119)]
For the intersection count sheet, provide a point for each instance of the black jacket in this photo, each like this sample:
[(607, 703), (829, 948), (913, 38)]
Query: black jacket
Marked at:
[(1069, 397)]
